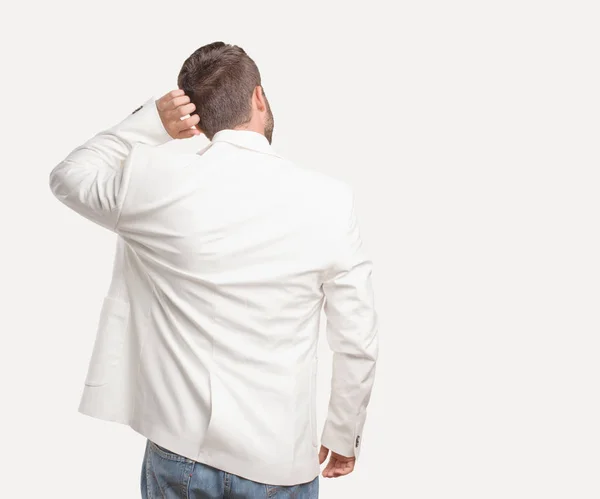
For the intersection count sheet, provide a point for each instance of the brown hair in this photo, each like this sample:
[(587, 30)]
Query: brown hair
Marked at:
[(219, 79)]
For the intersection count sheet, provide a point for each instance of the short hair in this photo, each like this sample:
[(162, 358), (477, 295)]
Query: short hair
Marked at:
[(219, 79)]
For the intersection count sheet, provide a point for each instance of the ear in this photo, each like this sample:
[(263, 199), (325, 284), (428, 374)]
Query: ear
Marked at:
[(259, 98)]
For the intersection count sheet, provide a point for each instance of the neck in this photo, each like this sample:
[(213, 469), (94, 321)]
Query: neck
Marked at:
[(251, 126)]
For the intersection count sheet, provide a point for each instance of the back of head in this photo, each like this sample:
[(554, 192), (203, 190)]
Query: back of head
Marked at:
[(220, 80)]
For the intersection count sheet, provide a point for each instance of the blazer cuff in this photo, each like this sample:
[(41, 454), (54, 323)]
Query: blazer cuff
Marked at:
[(346, 438), (144, 125)]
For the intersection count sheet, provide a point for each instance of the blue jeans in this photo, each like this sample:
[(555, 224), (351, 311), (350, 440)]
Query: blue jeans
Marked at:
[(166, 475)]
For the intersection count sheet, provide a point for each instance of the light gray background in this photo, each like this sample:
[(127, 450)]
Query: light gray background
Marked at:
[(469, 131)]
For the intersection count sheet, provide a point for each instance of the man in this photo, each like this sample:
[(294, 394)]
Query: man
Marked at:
[(207, 342)]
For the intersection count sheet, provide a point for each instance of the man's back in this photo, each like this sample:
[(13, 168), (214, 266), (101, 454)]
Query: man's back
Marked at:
[(229, 257), (246, 239)]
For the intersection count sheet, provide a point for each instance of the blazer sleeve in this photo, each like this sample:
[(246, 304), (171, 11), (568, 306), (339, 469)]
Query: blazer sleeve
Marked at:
[(92, 179), (352, 334)]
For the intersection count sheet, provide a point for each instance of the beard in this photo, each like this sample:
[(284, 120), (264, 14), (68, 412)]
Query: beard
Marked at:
[(269, 123)]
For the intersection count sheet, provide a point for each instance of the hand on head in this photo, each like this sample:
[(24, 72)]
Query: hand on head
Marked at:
[(172, 107)]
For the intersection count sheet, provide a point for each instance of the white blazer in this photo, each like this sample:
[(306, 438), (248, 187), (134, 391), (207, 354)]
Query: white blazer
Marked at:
[(207, 340)]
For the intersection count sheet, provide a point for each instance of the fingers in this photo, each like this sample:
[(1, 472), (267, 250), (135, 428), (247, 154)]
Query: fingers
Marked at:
[(179, 111), (181, 125), (176, 102), (190, 132), (184, 110), (337, 467), (172, 108), (323, 454), (166, 99), (328, 472), (175, 115)]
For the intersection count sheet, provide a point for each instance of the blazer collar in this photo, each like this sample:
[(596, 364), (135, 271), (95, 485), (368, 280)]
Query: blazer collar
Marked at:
[(243, 138)]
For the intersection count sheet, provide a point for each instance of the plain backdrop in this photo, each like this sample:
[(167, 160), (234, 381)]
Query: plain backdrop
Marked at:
[(469, 131)]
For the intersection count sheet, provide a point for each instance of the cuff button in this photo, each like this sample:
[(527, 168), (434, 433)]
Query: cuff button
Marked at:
[(137, 109), (357, 441)]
